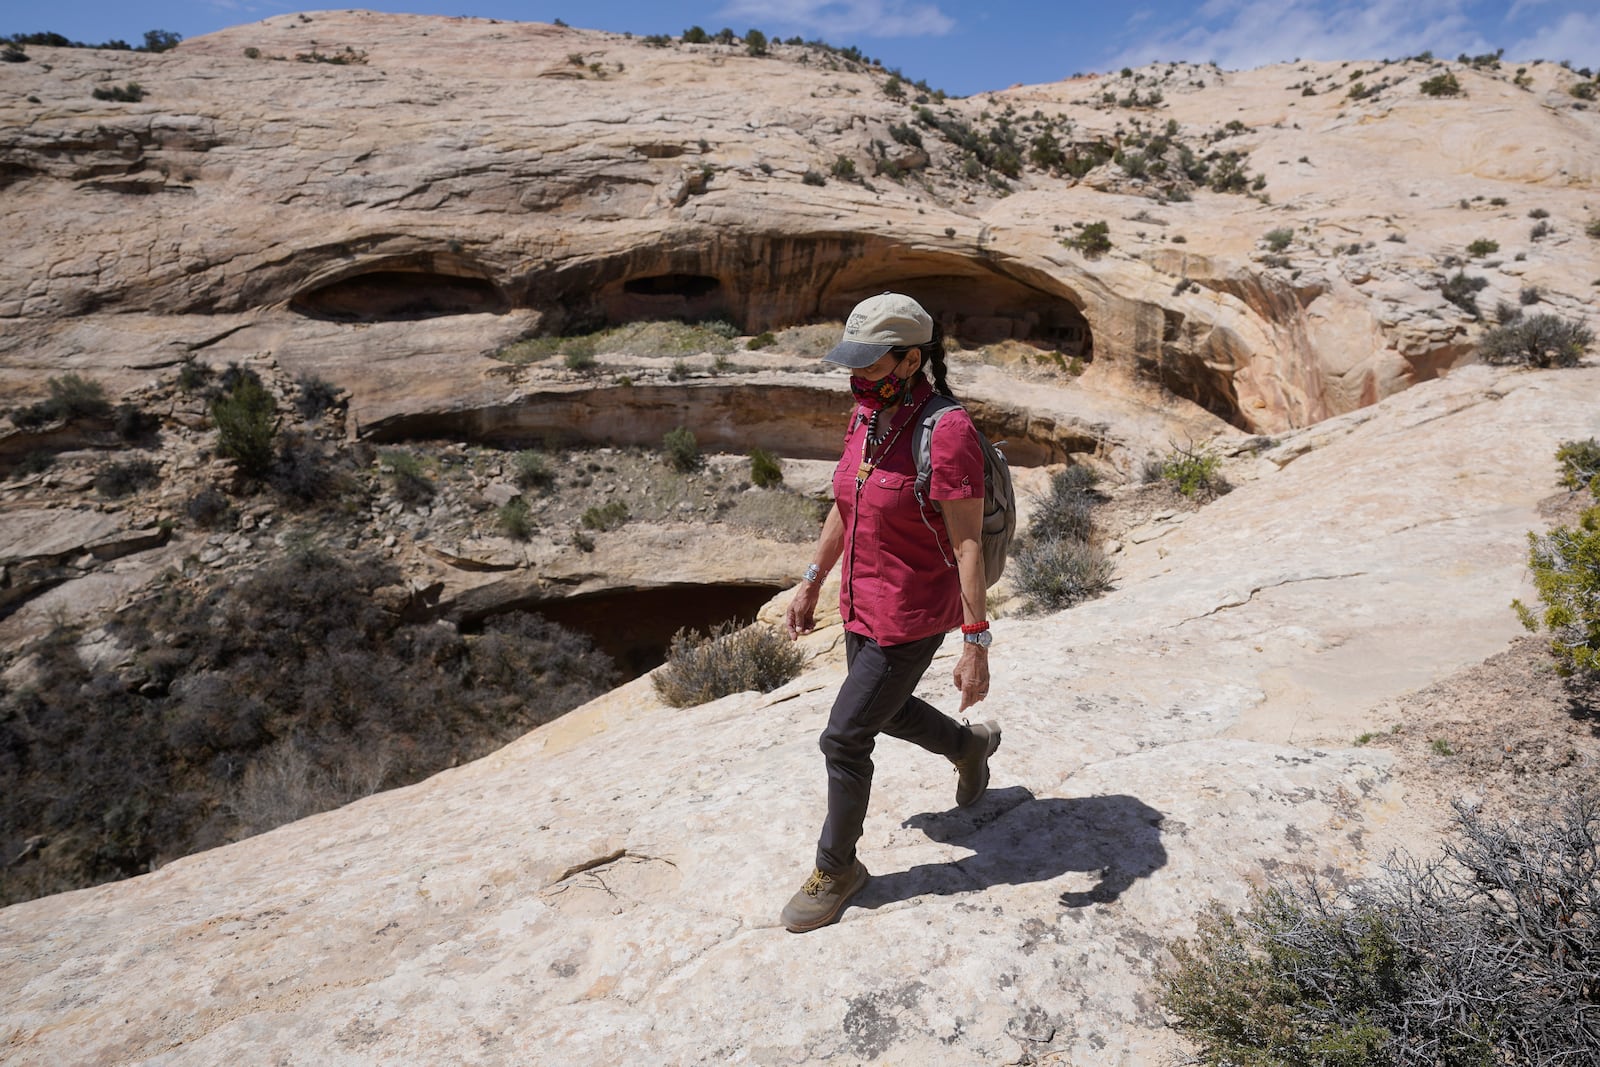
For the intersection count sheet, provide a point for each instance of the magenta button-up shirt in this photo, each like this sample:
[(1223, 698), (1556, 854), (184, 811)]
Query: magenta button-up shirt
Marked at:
[(898, 581)]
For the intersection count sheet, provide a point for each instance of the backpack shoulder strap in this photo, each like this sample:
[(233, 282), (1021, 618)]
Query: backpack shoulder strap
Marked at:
[(933, 409)]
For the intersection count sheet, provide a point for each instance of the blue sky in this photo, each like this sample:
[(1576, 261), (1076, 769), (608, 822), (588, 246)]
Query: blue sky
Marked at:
[(966, 46)]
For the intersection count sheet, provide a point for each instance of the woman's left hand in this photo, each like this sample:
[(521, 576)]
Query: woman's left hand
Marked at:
[(972, 675)]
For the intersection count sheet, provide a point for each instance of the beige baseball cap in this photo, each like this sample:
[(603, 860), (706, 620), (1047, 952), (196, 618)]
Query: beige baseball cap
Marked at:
[(878, 324)]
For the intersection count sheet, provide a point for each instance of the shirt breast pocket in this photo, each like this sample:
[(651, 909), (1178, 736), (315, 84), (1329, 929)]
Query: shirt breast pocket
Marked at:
[(886, 490)]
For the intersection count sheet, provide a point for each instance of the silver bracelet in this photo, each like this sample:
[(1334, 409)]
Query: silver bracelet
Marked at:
[(813, 574)]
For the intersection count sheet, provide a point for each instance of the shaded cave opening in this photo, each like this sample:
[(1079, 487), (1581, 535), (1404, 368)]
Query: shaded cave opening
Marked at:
[(400, 295), (635, 626)]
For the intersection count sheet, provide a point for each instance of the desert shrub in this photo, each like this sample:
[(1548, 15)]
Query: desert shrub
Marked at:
[(134, 424), (1053, 573), (1565, 564), (1195, 473), (1279, 239), (703, 667), (811, 177), (407, 480), (765, 339), (1068, 512), (194, 376), (682, 450), (1592, 228), (1482, 957), (1538, 213), (36, 462), (71, 397), (1441, 85), (1482, 247), (579, 358), (1094, 239), (605, 516), (1530, 295), (116, 480), (695, 35), (755, 42), (210, 509), (765, 470), (1580, 463), (532, 470), (247, 423), (1462, 290), (1537, 341), (515, 519), (314, 396), (1540, 230), (131, 93), (304, 473), (843, 168)]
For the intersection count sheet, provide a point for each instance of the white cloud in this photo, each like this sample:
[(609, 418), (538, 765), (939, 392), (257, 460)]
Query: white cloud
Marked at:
[(1576, 37), (1239, 34), (841, 19)]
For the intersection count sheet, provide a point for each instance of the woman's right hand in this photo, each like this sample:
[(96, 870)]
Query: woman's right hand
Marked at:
[(802, 614)]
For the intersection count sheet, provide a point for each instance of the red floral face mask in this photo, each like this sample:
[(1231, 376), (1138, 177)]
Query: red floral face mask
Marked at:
[(875, 396)]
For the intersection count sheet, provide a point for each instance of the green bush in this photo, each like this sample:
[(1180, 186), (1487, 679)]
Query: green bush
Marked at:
[(1485, 957), (1093, 239), (765, 470), (1536, 340), (765, 339), (703, 667), (605, 516), (1565, 563), (36, 462), (533, 470), (1592, 228), (844, 168), (579, 358), (755, 42), (209, 509), (71, 397), (1194, 472), (131, 93), (695, 35), (811, 177), (1053, 573), (1441, 85), (1482, 247), (247, 424), (407, 480), (682, 450), (1277, 240), (1461, 290), (1580, 463), (515, 520), (134, 424)]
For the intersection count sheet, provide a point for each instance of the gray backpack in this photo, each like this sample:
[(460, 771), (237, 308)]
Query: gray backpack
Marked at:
[(999, 498)]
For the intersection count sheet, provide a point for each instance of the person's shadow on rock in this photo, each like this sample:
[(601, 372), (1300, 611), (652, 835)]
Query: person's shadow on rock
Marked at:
[(1018, 838)]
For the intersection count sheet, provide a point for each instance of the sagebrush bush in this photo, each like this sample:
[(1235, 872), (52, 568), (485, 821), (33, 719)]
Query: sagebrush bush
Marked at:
[(1483, 246), (116, 480), (1542, 340), (1053, 573), (247, 423), (765, 470), (210, 509), (304, 473), (71, 397), (605, 516), (1461, 290), (682, 450), (533, 470), (1484, 957), (314, 396), (1278, 239), (1067, 512), (407, 480), (515, 520), (704, 667)]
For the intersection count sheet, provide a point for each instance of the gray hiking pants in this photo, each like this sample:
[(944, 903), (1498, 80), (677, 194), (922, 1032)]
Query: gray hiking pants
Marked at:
[(875, 698)]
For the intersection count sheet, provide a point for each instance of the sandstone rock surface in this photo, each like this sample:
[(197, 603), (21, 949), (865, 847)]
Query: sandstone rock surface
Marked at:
[(607, 887)]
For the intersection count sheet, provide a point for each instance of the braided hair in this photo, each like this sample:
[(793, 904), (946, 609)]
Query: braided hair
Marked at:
[(933, 360)]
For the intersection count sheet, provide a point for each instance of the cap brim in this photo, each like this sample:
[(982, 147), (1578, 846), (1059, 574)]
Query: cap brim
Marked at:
[(856, 354)]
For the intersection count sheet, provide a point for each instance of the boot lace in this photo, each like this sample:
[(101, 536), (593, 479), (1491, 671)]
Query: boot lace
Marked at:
[(816, 883)]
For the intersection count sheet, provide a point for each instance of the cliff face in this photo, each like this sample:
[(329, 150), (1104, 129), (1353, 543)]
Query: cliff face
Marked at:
[(475, 181)]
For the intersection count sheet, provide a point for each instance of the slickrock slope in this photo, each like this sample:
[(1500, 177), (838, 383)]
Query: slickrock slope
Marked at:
[(606, 888)]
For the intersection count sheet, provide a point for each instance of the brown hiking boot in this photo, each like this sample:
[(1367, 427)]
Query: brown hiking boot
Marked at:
[(822, 898), (973, 763)]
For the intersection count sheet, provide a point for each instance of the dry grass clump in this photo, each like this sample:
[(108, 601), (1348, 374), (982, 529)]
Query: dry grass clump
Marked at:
[(702, 667), (778, 514)]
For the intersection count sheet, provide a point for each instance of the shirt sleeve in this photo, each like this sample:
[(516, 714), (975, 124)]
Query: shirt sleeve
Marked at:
[(957, 459)]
